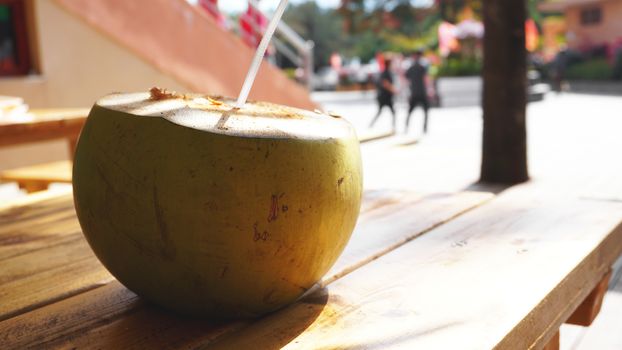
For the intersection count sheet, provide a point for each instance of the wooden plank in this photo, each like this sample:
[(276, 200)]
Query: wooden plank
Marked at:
[(110, 317), (553, 344), (68, 316), (41, 125), (400, 222), (585, 314), (604, 333), (373, 135), (34, 199), (44, 174), (37, 222), (376, 198), (145, 327), (42, 260), (43, 254), (49, 286), (32, 187), (505, 275)]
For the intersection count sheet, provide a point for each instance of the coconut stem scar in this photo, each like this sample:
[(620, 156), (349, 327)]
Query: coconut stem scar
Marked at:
[(259, 53)]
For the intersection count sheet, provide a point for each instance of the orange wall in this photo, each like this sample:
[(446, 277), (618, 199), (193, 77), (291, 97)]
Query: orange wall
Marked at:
[(608, 30)]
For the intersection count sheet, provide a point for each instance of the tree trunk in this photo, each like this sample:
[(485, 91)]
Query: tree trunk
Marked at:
[(504, 156)]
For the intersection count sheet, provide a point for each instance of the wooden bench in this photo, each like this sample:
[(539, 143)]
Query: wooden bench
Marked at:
[(436, 271), (38, 177), (42, 125)]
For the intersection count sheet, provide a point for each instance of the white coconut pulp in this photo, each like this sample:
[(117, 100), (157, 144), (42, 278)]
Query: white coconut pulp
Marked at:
[(219, 115)]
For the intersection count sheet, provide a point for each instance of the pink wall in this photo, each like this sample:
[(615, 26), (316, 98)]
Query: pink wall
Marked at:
[(183, 42), (605, 32)]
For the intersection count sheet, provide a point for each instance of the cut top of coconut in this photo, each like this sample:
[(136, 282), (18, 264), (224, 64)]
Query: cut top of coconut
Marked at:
[(219, 115)]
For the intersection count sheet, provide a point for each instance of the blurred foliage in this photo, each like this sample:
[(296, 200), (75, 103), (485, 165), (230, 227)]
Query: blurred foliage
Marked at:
[(379, 15), (388, 25), (455, 66), (453, 11), (323, 26), (593, 69), (362, 28), (367, 44)]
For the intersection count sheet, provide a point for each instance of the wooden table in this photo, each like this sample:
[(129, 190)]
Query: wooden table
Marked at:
[(43, 125), (427, 271)]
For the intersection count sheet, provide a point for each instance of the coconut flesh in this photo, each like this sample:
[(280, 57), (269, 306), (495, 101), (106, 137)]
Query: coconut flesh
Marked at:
[(211, 210)]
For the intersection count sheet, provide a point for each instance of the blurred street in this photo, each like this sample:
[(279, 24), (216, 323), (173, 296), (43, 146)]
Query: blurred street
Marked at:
[(564, 130)]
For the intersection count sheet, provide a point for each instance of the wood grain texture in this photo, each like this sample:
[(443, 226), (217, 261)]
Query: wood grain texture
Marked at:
[(505, 275), (56, 256), (43, 255), (68, 316), (35, 222), (110, 317), (49, 286), (135, 324), (387, 227)]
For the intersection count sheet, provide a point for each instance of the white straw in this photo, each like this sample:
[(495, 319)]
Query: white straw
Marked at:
[(261, 50)]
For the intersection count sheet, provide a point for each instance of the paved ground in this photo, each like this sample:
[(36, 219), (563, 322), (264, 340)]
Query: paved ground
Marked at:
[(575, 147), (574, 143)]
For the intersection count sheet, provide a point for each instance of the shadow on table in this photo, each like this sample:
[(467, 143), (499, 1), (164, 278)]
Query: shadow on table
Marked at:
[(278, 329), (485, 187), (141, 325)]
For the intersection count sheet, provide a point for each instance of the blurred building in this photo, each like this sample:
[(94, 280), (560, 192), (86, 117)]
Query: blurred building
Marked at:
[(68, 53), (589, 23)]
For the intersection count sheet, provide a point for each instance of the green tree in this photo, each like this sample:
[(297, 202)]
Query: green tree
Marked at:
[(361, 16), (388, 25), (323, 26)]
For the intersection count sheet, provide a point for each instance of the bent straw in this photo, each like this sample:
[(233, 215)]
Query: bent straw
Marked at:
[(259, 53)]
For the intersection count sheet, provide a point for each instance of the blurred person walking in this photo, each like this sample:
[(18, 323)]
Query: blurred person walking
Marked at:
[(560, 63), (386, 91), (417, 75)]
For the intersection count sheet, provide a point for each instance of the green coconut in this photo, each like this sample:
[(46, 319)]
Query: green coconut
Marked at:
[(212, 210)]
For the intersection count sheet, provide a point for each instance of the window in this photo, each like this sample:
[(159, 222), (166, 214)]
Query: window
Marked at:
[(14, 48), (591, 16)]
